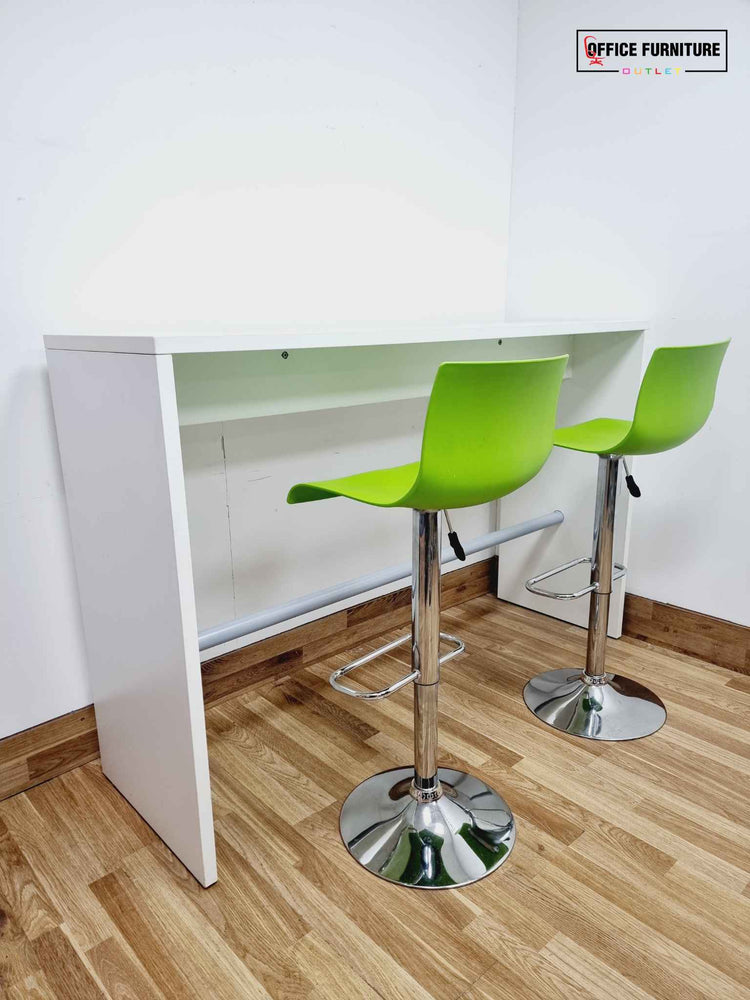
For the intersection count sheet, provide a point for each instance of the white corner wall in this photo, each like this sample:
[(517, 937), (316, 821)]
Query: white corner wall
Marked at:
[(203, 166), (630, 196)]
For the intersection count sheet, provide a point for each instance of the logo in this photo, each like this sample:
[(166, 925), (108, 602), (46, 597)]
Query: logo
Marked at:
[(657, 52)]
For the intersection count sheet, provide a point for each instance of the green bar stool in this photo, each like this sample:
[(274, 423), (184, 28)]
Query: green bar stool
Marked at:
[(674, 402), (488, 430)]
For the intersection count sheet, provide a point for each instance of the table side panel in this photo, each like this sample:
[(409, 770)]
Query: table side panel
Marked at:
[(116, 417)]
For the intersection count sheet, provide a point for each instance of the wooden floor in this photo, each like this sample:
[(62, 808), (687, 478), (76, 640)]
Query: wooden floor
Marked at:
[(629, 878)]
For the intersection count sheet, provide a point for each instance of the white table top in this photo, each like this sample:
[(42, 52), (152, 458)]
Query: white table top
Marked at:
[(274, 337)]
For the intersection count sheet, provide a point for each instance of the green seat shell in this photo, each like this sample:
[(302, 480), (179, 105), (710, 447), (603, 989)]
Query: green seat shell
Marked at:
[(674, 402), (488, 430)]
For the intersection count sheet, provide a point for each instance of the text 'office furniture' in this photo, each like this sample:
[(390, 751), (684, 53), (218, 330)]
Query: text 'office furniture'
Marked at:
[(120, 403), (674, 402), (488, 431)]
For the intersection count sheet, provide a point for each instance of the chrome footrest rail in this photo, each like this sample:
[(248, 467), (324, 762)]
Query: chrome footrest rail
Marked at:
[(402, 681), (531, 585)]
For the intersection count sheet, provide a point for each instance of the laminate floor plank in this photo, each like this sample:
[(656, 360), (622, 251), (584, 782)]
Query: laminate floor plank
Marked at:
[(630, 879)]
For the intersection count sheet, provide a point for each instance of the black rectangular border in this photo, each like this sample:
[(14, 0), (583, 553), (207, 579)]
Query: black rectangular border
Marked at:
[(654, 31)]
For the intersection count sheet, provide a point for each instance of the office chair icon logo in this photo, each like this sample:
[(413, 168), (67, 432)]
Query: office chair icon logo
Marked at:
[(589, 48)]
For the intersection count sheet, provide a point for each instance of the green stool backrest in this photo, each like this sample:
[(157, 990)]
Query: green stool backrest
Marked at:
[(675, 399), (488, 430)]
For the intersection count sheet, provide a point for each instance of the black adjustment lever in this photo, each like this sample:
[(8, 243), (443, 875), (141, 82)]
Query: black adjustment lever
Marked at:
[(453, 540), (633, 488)]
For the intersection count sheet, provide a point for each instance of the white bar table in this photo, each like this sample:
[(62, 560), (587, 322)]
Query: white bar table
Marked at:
[(119, 402)]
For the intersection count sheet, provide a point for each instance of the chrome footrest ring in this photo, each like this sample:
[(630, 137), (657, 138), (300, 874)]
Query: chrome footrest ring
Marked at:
[(531, 585), (381, 651), (458, 643)]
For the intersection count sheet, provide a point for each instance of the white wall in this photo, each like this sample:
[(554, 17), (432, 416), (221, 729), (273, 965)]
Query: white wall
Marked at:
[(630, 196), (203, 166)]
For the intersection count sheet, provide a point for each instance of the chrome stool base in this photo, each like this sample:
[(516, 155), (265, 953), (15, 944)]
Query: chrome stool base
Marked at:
[(452, 840), (607, 708)]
